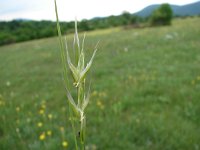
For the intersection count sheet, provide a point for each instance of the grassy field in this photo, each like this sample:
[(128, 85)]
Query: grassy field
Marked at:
[(145, 91)]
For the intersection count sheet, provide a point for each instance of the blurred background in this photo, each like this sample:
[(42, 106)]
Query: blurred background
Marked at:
[(145, 77)]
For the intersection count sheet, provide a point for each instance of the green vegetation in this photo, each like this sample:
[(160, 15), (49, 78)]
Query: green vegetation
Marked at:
[(162, 15), (24, 30), (19, 30), (145, 96)]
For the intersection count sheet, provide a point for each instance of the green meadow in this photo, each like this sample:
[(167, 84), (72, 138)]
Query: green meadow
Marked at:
[(145, 92)]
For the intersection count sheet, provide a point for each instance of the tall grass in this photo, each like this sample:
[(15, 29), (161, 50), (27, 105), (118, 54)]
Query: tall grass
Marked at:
[(78, 70)]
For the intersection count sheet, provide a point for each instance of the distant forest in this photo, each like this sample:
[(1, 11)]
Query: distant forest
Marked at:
[(23, 30)]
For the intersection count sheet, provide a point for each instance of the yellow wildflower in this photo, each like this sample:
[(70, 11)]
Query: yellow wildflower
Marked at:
[(102, 94), (94, 93), (61, 129), (17, 109), (198, 77), (50, 116), (49, 132), (43, 106), (43, 101), (41, 111), (2, 103), (42, 136), (100, 104), (64, 143), (40, 124)]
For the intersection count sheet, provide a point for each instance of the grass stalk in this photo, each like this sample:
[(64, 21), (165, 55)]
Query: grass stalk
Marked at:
[(78, 72), (73, 127)]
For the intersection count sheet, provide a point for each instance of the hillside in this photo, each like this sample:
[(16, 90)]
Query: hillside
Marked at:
[(144, 96), (23, 29), (185, 10)]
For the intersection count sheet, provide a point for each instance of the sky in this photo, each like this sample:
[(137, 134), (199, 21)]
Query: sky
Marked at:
[(68, 10)]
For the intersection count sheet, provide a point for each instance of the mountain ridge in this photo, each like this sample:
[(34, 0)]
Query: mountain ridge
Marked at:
[(191, 9)]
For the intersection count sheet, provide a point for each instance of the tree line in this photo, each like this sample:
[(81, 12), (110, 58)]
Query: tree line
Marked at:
[(23, 30)]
